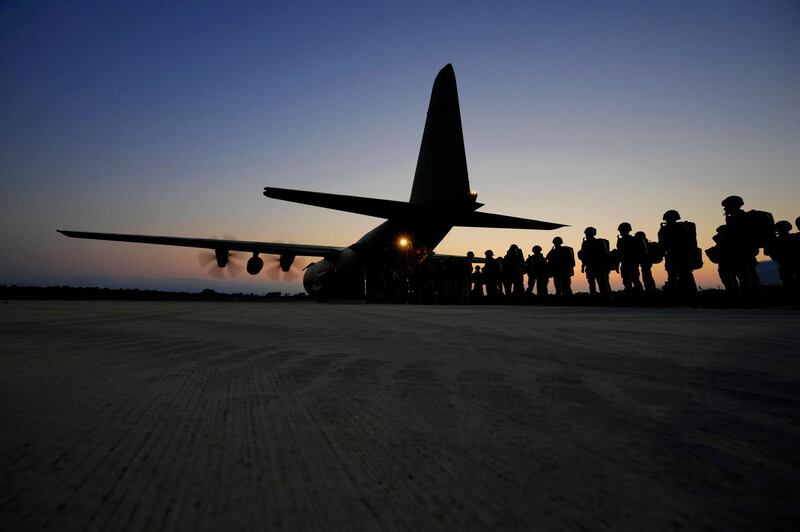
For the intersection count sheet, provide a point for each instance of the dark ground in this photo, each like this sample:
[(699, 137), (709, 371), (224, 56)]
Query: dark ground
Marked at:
[(194, 415)]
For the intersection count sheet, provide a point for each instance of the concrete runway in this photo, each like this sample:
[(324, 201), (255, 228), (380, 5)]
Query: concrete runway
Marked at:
[(171, 415)]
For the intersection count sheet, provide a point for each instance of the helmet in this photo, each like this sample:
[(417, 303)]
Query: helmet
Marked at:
[(590, 231), (536, 248), (671, 216), (558, 241), (733, 202), (783, 227), (624, 227), (640, 234), (489, 253)]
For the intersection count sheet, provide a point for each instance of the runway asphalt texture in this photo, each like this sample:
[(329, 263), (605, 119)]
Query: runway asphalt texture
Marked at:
[(293, 416)]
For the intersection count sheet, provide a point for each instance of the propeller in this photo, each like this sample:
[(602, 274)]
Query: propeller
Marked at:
[(221, 262), (274, 272)]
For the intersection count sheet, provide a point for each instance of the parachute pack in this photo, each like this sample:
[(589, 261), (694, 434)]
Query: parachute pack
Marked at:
[(714, 255), (571, 255), (695, 253), (655, 253), (691, 231), (605, 244), (696, 258), (760, 227), (613, 260)]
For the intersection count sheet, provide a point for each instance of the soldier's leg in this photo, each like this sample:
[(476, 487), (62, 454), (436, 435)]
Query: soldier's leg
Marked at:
[(591, 279), (604, 283), (690, 287), (743, 278), (725, 277), (541, 287), (637, 284), (672, 277), (756, 282), (785, 275), (647, 278), (625, 273)]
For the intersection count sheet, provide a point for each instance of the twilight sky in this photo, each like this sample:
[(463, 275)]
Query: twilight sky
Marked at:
[(136, 117)]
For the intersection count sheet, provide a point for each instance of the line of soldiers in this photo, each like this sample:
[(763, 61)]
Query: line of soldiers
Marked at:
[(737, 244), (739, 240), (501, 278)]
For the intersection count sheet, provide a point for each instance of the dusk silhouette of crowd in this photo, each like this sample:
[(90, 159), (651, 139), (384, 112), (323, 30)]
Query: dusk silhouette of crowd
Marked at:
[(501, 278)]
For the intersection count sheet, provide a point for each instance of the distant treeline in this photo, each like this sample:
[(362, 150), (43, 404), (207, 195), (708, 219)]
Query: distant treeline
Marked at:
[(96, 293), (714, 298)]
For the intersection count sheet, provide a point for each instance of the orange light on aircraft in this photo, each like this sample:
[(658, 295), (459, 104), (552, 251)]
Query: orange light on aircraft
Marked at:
[(403, 242)]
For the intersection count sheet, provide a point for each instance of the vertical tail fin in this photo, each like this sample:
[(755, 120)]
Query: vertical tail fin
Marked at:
[(442, 164)]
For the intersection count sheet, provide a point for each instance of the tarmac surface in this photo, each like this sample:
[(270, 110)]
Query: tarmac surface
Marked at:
[(172, 415)]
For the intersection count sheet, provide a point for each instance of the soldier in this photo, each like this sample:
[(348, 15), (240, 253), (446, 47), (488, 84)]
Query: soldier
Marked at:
[(501, 278), (512, 273), (796, 250), (594, 262), (651, 256), (519, 281), (536, 268), (747, 232), (632, 252), (560, 265), (780, 250), (491, 275), (477, 285), (678, 240), (464, 280), (720, 254), (508, 270)]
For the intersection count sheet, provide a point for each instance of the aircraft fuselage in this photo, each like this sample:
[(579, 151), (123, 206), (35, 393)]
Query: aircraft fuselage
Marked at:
[(393, 245)]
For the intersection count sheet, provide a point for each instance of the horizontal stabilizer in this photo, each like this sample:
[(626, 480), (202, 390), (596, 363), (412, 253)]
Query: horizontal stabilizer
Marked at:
[(473, 260), (269, 248), (380, 208), (487, 219)]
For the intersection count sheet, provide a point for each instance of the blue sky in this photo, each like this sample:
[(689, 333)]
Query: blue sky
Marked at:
[(136, 117)]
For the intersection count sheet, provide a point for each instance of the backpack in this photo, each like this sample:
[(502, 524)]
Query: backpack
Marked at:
[(605, 244), (714, 254), (760, 226), (691, 231), (613, 260), (696, 258), (571, 256), (655, 252)]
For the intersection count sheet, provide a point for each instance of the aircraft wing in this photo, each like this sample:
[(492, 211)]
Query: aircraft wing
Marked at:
[(270, 248), (487, 219)]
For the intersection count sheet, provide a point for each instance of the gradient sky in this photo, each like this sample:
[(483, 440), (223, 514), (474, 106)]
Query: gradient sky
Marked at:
[(145, 118)]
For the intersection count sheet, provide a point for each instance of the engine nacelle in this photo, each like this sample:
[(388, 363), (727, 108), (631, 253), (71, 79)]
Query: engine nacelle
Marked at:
[(285, 262), (318, 278), (254, 265)]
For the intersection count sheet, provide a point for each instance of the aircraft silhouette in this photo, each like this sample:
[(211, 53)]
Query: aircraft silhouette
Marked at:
[(440, 200)]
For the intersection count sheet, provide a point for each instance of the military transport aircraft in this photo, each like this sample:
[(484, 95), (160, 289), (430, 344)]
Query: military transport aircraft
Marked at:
[(440, 199)]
